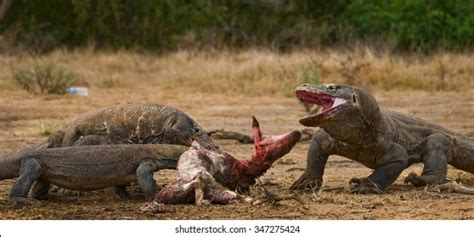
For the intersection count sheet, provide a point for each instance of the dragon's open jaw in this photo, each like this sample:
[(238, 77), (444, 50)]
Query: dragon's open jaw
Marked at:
[(327, 103)]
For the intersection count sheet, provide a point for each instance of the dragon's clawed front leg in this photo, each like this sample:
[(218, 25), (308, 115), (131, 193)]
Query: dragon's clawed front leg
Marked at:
[(307, 181), (364, 186)]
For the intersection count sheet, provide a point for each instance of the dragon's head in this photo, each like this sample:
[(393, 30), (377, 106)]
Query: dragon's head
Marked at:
[(337, 102), (191, 131)]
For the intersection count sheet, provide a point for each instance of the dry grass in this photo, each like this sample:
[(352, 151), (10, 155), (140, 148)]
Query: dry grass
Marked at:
[(254, 72), (25, 119)]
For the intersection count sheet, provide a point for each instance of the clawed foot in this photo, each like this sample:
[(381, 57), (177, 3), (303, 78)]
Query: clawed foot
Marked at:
[(307, 182), (415, 180), (66, 192), (122, 193), (127, 195), (42, 196), (364, 186), (18, 201), (153, 207)]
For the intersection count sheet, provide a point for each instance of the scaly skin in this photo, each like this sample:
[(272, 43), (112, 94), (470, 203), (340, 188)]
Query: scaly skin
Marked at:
[(352, 125), (132, 123), (89, 168), (209, 176)]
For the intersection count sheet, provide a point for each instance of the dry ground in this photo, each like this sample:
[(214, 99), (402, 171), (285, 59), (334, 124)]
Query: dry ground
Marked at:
[(24, 118), (23, 115)]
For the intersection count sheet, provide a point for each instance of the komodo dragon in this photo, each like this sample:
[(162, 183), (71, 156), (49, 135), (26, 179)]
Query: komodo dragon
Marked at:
[(134, 123), (89, 168), (123, 124), (352, 125)]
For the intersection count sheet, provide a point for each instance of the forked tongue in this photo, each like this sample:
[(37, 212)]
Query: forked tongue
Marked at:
[(268, 149)]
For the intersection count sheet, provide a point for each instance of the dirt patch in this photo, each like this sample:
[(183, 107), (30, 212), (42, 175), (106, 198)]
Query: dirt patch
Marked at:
[(21, 112)]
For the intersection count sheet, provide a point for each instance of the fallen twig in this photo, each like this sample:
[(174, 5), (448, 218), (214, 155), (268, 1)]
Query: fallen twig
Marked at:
[(274, 199), (222, 134), (452, 186), (306, 134)]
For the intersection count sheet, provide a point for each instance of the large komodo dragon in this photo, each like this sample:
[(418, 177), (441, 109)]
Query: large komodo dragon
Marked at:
[(134, 123), (353, 126), (89, 167)]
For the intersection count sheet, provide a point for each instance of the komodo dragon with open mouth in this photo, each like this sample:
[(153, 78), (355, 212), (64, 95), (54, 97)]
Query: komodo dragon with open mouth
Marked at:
[(131, 123), (352, 125)]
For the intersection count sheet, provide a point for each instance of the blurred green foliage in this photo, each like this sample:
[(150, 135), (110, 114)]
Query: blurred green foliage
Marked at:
[(401, 25), (422, 25)]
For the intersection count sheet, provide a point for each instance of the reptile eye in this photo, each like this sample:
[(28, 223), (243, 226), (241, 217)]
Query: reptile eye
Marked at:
[(197, 130), (354, 100), (331, 88)]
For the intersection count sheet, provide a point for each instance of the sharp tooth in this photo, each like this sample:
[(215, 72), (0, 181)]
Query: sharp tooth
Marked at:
[(338, 101)]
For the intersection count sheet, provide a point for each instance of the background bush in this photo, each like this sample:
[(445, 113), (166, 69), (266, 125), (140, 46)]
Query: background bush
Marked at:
[(401, 25), (44, 79)]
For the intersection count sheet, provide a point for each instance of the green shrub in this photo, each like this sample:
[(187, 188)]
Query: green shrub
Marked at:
[(413, 25), (404, 25), (44, 79)]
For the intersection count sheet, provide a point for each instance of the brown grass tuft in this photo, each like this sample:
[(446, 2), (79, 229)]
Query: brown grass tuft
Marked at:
[(255, 72)]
